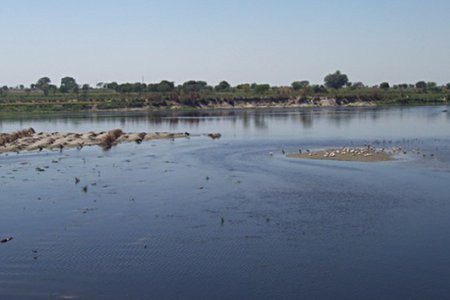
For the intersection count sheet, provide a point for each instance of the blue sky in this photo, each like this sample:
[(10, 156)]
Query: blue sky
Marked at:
[(275, 42)]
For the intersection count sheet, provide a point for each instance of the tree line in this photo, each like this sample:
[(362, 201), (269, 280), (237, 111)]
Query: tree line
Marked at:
[(333, 81)]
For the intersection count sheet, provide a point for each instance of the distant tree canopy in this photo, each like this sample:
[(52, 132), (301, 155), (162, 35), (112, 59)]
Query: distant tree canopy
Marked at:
[(357, 85), (43, 84), (68, 84), (299, 85), (421, 85), (384, 86), (336, 80), (243, 87), (222, 86), (448, 86), (194, 86), (165, 86), (402, 86), (112, 86), (260, 88), (318, 89)]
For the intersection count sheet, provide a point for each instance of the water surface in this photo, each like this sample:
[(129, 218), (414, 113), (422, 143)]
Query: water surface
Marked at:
[(197, 218)]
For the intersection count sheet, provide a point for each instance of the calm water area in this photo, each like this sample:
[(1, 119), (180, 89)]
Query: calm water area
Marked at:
[(198, 218)]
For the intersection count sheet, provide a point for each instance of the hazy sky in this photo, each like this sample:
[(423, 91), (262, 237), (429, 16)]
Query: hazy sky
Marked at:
[(275, 42)]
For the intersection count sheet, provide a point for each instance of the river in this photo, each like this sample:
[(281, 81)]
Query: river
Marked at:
[(197, 218)]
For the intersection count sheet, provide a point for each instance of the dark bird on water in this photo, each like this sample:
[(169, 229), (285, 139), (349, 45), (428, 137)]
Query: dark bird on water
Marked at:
[(187, 133)]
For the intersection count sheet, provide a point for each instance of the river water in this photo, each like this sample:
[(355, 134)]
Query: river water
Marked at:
[(223, 219)]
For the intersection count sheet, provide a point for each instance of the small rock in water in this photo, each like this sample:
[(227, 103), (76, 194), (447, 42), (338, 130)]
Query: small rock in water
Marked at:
[(7, 239)]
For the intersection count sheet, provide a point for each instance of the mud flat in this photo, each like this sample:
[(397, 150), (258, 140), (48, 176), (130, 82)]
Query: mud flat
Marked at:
[(348, 154), (29, 140)]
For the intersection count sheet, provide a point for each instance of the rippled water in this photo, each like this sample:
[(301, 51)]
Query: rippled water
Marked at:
[(197, 218)]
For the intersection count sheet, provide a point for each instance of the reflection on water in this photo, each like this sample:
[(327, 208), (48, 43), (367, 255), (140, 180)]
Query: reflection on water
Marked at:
[(203, 219), (319, 123)]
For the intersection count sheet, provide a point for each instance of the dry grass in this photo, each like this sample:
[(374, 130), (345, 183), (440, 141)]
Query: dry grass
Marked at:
[(110, 138), (12, 137)]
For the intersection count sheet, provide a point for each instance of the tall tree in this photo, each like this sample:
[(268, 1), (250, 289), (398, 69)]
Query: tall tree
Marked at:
[(165, 86), (421, 85), (222, 86), (336, 80), (68, 84), (43, 84), (384, 86), (299, 85), (194, 86)]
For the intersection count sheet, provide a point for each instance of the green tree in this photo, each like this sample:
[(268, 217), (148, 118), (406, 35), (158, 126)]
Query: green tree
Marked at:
[(113, 86), (422, 85), (4, 90), (68, 84), (261, 88), (223, 86), (448, 86), (85, 87), (243, 87), (384, 86), (165, 86), (300, 85), (194, 86), (44, 85), (357, 85), (336, 80)]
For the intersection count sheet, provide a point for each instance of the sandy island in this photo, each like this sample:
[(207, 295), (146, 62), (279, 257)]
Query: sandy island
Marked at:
[(29, 140), (366, 154)]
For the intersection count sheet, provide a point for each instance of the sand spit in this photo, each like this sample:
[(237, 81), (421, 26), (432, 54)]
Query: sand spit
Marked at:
[(366, 154), (29, 140)]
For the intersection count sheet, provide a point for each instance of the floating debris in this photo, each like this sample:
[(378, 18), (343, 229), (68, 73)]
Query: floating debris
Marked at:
[(215, 136)]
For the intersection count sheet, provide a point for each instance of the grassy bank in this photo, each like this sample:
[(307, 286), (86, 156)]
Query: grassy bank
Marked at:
[(107, 99)]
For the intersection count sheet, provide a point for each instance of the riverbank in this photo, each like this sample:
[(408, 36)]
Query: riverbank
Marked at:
[(97, 100)]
